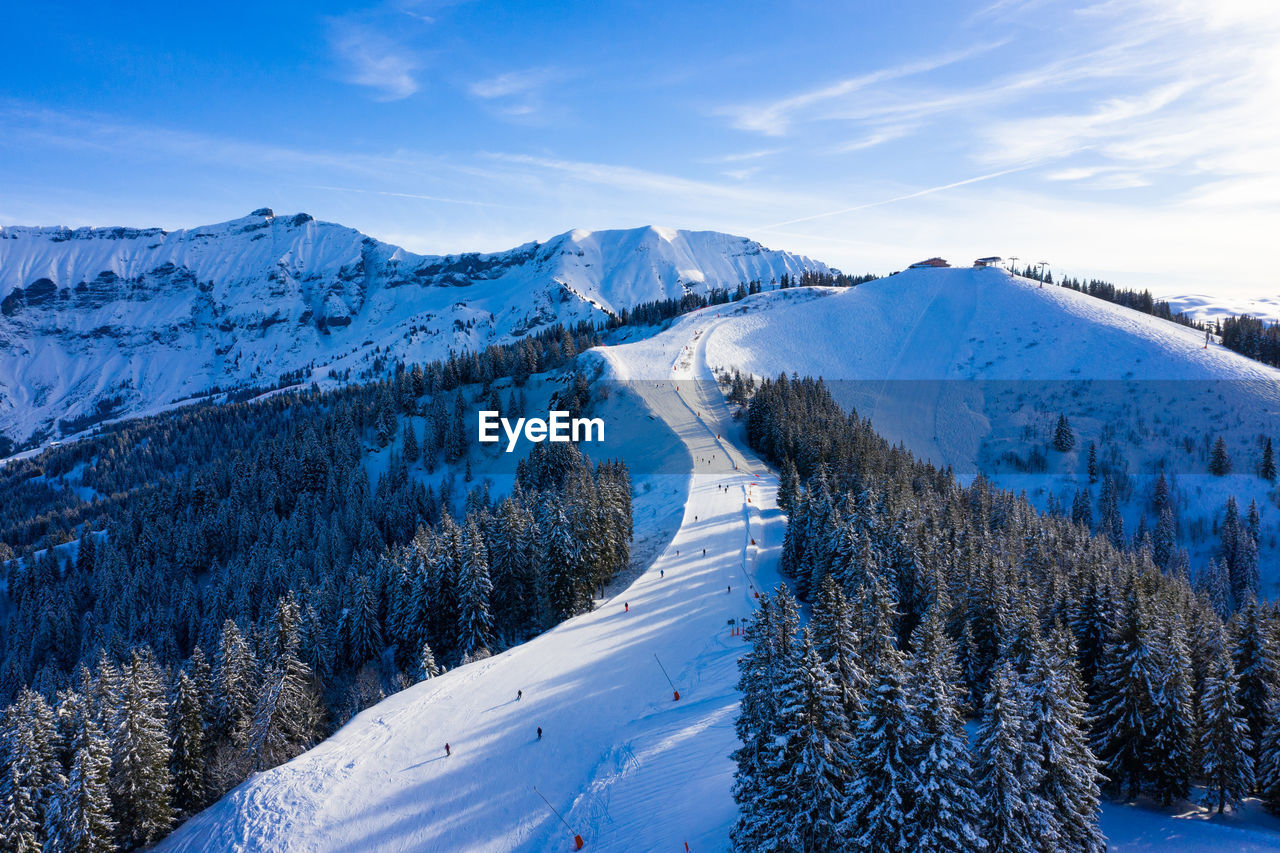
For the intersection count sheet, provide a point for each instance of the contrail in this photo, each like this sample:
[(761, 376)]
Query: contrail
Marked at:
[(915, 194), (415, 195)]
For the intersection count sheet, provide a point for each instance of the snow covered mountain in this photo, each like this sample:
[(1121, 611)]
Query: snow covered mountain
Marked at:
[(109, 322)]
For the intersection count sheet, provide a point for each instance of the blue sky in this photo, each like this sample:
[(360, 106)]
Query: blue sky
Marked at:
[(1132, 139)]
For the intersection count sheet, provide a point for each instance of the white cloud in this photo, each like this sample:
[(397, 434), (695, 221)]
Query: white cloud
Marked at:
[(871, 140), (743, 156), (517, 93), (774, 118), (371, 59), (895, 199)]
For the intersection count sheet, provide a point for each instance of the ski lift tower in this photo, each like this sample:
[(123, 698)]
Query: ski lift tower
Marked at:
[(1013, 265), (1042, 265)]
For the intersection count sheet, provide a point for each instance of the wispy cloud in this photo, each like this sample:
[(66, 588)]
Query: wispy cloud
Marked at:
[(418, 196), (124, 141), (517, 93), (774, 118), (370, 58), (743, 156), (1190, 91), (916, 194), (872, 139), (647, 184)]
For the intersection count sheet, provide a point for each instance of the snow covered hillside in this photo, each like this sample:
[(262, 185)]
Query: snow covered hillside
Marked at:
[(629, 768), (110, 322), (972, 367)]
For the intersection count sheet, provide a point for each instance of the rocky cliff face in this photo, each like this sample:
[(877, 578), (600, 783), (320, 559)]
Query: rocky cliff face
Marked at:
[(107, 322)]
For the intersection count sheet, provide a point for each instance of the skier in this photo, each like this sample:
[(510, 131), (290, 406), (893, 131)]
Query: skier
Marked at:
[(626, 607), (539, 732), (729, 588), (662, 573), (704, 552), (447, 751), (519, 693)]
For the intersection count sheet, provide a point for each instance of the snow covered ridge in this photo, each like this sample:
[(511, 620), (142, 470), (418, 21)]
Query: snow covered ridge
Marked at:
[(972, 368), (99, 323)]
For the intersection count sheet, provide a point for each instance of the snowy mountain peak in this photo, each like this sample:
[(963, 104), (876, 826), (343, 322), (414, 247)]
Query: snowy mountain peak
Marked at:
[(98, 323)]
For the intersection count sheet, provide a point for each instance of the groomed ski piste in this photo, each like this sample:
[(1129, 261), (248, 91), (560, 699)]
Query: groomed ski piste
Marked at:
[(624, 764), (627, 766)]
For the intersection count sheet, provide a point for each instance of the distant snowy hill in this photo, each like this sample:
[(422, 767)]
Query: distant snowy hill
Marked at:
[(107, 322), (971, 368), (1210, 308)]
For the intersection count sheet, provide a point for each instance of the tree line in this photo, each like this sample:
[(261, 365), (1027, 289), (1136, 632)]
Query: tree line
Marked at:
[(1252, 337), (1088, 668), (1243, 333)]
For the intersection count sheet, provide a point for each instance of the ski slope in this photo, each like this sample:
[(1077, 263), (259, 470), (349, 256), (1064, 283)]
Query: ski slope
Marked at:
[(629, 768)]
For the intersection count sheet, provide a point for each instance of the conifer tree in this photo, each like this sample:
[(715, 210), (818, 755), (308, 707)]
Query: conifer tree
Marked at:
[(569, 589), (361, 627), (188, 747), (30, 772), (1110, 524), (772, 632), (287, 715), (837, 645), (882, 781), (788, 487), (141, 781), (1128, 684), (1172, 723), (1090, 622), (83, 821), (427, 667), (1220, 459), (944, 807), (475, 625), (235, 677), (1257, 669), (410, 447), (1067, 770), (1082, 509), (1009, 810), (1164, 544), (811, 760), (1268, 765), (1063, 438), (1268, 468), (20, 829), (1225, 745), (1215, 583)]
